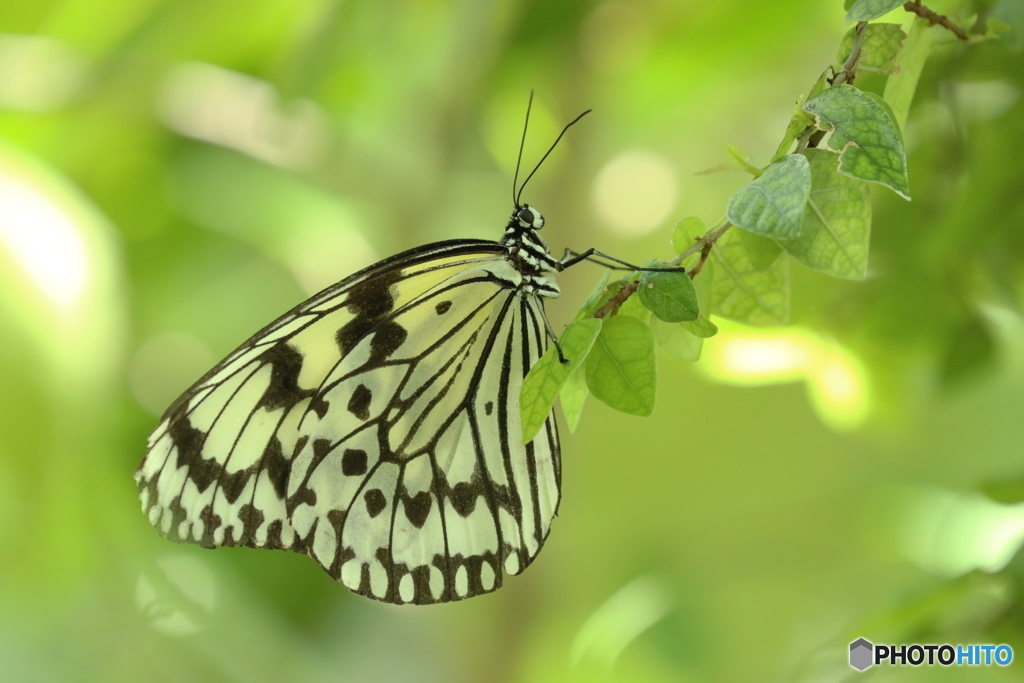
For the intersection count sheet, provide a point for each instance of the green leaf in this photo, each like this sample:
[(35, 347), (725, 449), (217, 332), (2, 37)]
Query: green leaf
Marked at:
[(548, 374), (620, 367), (900, 87), (742, 160), (686, 233), (738, 155), (837, 224), (574, 394), (742, 292), (677, 340), (701, 327), (762, 251), (594, 300), (801, 120), (670, 295), (997, 27), (880, 101), (865, 135), (773, 204), (866, 10), (881, 44)]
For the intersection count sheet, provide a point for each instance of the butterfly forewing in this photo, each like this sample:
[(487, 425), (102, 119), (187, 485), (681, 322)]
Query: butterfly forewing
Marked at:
[(376, 428)]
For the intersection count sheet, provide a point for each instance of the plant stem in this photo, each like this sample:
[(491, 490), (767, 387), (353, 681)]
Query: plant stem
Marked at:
[(847, 72), (933, 17), (616, 301), (702, 245)]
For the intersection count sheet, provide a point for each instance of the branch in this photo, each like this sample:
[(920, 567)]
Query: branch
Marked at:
[(810, 137), (915, 7), (616, 301), (847, 72), (703, 245)]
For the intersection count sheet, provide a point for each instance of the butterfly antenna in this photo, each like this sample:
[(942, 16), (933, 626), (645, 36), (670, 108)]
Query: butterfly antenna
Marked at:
[(519, 159), (550, 149)]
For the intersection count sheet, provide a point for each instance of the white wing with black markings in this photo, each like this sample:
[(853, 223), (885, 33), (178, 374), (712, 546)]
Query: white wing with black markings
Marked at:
[(376, 428)]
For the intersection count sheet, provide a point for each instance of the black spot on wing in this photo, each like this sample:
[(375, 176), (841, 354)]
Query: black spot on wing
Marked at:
[(232, 485), (370, 302), (442, 307), (386, 339), (417, 508), (186, 438), (353, 462), (283, 391), (189, 442), (359, 404), (489, 407), (277, 466), (463, 497), (375, 502), (319, 405), (252, 517)]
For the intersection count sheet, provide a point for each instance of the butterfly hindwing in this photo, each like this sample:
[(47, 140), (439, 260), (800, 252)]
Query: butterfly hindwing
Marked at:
[(427, 495), (376, 428)]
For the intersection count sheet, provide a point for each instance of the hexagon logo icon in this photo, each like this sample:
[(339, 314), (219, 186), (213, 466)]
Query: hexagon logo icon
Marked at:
[(861, 654)]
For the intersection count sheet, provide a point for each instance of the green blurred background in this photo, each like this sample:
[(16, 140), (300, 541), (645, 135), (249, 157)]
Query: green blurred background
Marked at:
[(175, 173)]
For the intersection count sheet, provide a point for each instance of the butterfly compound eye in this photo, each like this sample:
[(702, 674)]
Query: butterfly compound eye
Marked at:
[(530, 217)]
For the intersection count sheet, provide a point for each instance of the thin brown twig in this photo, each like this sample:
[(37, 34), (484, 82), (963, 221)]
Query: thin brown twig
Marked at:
[(704, 253), (933, 17), (616, 301), (701, 244)]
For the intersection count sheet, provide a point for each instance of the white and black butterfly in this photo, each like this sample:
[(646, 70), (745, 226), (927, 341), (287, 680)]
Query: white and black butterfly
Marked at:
[(375, 427)]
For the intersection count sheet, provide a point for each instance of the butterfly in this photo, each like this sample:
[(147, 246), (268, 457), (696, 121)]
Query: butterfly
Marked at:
[(375, 427)]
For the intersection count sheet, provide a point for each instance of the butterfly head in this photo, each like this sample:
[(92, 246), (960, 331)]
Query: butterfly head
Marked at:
[(525, 217)]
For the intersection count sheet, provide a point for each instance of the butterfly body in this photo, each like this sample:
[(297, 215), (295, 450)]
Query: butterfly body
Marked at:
[(375, 427)]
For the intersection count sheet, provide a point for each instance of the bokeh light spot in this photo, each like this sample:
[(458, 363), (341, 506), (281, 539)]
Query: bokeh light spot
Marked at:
[(44, 240), (244, 113), (836, 379), (635, 192), (40, 73)]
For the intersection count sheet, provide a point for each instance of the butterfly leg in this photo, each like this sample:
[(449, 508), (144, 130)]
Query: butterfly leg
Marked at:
[(571, 258), (554, 337)]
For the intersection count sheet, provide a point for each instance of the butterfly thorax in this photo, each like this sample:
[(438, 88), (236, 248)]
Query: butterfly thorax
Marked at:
[(529, 253)]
